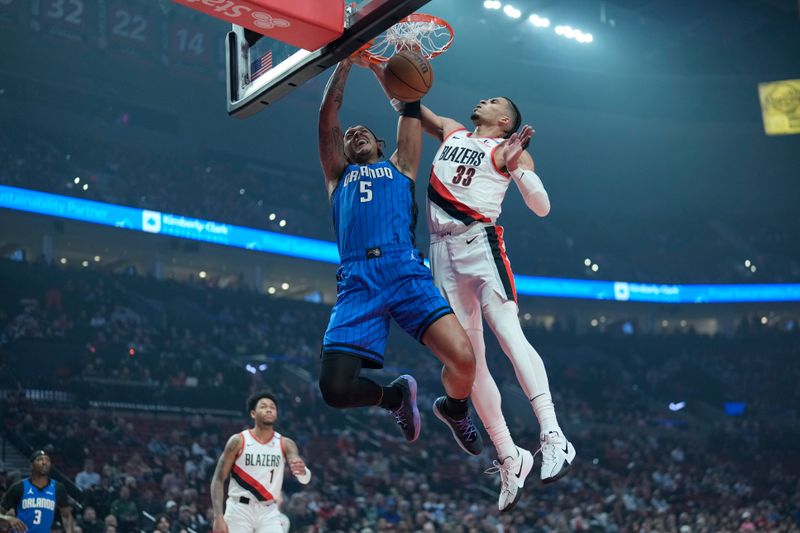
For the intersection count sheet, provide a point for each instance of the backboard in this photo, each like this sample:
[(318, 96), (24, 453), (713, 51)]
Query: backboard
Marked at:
[(261, 70)]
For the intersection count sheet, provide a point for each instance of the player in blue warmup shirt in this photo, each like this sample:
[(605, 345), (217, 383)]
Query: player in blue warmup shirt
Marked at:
[(34, 500), (382, 275)]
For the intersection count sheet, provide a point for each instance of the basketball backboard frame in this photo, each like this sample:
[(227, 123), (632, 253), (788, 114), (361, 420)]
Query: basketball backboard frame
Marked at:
[(361, 24)]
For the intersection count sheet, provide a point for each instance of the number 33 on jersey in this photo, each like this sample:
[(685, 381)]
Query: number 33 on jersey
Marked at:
[(465, 185)]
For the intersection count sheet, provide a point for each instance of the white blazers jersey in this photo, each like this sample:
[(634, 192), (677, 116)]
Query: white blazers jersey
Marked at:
[(465, 185), (258, 470)]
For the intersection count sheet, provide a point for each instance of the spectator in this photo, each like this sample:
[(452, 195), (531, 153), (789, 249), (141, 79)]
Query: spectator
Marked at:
[(125, 509), (89, 522), (162, 524), (87, 478)]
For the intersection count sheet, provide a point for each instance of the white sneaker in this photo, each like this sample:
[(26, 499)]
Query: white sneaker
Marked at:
[(557, 456), (513, 472)]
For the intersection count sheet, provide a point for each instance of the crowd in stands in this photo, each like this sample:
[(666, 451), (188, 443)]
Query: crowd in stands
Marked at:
[(261, 194), (109, 339)]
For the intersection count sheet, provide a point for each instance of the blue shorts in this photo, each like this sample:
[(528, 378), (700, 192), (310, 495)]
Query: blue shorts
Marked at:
[(395, 284)]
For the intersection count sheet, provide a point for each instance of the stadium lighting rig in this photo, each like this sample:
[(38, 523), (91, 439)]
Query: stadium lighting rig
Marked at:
[(539, 21)]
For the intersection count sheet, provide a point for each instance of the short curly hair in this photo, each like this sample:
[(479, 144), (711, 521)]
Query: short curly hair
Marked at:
[(252, 401)]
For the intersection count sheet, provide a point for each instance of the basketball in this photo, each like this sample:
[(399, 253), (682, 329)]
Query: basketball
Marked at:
[(408, 76)]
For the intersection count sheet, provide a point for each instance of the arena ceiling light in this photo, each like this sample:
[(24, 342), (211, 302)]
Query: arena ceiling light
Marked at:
[(573, 33), (539, 22), (512, 11)]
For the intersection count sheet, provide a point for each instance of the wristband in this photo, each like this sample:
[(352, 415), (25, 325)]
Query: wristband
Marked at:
[(305, 477), (412, 110)]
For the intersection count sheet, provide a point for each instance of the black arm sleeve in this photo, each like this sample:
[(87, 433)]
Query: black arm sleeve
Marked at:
[(12, 497), (61, 496)]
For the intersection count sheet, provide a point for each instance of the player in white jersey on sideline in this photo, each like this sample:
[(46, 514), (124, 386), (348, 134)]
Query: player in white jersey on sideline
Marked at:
[(255, 460), (469, 178)]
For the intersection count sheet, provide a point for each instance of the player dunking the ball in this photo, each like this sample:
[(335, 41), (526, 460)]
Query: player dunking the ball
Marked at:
[(469, 178), (382, 275), (255, 460)]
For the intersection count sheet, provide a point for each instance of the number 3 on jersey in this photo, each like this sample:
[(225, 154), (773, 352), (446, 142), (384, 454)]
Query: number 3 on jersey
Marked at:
[(365, 188), (460, 177)]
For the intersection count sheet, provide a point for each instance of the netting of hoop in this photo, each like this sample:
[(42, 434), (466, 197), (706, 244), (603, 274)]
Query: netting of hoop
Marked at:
[(419, 33)]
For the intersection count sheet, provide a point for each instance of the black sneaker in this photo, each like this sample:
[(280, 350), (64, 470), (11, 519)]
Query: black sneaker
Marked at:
[(407, 415), (464, 431)]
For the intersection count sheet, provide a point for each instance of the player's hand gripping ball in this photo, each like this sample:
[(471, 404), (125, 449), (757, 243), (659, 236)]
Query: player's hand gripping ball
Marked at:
[(408, 76)]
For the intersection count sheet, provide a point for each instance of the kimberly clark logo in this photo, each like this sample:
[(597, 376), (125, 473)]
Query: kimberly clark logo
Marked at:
[(622, 291), (151, 221)]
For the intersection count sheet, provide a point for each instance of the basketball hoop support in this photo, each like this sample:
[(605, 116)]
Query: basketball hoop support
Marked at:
[(246, 98)]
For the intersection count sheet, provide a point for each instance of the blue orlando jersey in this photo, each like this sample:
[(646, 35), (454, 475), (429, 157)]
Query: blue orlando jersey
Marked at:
[(37, 506), (373, 206)]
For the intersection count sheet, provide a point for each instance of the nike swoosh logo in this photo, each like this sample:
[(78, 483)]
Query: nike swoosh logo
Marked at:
[(566, 448), (469, 241), (521, 459)]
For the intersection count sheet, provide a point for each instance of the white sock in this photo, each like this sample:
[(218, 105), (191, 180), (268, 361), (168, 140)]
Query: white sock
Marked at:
[(487, 400), (528, 364)]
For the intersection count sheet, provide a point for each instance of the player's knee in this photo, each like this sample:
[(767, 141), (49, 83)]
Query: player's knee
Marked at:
[(463, 360), (334, 392)]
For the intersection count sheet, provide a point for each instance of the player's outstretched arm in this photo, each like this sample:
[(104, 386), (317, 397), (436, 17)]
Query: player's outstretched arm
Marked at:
[(519, 164), (296, 463), (409, 140), (331, 143), (221, 473), (436, 126)]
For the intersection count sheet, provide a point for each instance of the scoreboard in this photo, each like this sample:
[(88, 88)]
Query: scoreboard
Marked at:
[(140, 31)]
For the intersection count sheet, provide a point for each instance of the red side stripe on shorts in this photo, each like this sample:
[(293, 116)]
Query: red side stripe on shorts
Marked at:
[(498, 247), (248, 482)]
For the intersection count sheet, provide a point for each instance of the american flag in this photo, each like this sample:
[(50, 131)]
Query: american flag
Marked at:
[(261, 65)]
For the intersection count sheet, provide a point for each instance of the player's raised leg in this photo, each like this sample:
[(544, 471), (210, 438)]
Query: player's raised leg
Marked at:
[(557, 452), (462, 292)]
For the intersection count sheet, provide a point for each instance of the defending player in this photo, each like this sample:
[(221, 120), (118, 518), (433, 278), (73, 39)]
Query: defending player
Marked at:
[(469, 178), (382, 275), (255, 460), (34, 500)]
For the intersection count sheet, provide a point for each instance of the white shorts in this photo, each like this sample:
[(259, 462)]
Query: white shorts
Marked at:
[(472, 271), (253, 517)]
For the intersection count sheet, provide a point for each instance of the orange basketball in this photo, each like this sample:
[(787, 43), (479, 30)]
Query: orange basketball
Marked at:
[(408, 76)]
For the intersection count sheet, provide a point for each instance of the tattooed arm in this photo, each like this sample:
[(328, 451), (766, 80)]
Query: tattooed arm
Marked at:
[(331, 142)]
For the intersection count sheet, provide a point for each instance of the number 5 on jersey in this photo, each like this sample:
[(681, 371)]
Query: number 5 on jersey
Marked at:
[(365, 188)]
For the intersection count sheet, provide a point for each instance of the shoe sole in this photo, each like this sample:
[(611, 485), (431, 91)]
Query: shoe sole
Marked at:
[(564, 469), (519, 490), (412, 395), (441, 417)]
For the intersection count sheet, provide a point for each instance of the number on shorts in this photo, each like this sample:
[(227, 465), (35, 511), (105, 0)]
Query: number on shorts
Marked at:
[(464, 175)]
